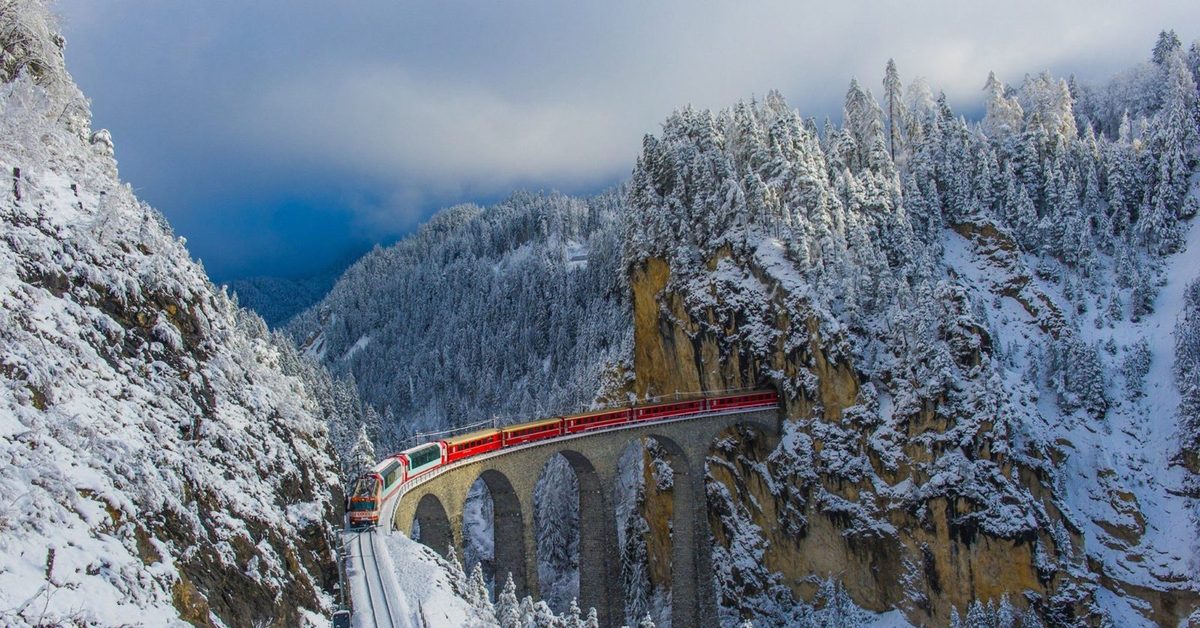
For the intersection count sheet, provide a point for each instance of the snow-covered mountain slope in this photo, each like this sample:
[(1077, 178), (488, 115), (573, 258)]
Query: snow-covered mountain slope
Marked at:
[(157, 466), (514, 310)]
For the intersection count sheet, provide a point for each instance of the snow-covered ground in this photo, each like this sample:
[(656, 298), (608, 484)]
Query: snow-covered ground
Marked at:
[(395, 581), (398, 582)]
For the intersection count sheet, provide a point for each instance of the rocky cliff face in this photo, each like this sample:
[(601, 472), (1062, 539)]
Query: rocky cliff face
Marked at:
[(913, 555), (157, 462), (826, 501)]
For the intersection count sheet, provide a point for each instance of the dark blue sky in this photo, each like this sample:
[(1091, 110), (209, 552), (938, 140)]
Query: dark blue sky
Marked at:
[(281, 137)]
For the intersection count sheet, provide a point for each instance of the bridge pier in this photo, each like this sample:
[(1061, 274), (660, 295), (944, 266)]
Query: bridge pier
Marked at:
[(702, 608)]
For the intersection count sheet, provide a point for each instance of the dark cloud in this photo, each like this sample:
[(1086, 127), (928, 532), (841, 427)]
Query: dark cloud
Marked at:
[(278, 135)]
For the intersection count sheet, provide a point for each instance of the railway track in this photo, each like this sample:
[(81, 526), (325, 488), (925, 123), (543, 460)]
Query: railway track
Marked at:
[(381, 611)]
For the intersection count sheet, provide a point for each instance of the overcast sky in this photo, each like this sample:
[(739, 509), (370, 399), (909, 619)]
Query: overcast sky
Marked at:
[(282, 136)]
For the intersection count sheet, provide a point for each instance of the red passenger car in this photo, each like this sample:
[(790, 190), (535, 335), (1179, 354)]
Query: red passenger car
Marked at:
[(596, 420), (471, 444), (747, 400), (666, 410), (529, 432)]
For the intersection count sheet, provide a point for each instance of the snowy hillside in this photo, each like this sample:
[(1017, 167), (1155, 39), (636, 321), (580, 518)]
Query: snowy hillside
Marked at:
[(514, 310), (156, 464)]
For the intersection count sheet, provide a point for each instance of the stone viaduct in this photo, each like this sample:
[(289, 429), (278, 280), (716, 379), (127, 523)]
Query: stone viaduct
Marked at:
[(437, 503)]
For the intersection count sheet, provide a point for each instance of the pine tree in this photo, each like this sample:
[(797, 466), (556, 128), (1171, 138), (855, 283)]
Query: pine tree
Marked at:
[(1193, 58), (646, 622), (861, 117), (456, 567), (478, 591), (508, 608), (894, 100), (1168, 44), (1187, 374), (528, 613), (976, 616), (543, 617), (362, 455), (1141, 298), (1006, 615), (593, 620), (1030, 618), (1173, 143), (1003, 117), (572, 619)]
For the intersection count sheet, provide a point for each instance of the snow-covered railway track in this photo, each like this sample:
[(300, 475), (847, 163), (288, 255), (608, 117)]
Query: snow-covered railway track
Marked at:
[(376, 592)]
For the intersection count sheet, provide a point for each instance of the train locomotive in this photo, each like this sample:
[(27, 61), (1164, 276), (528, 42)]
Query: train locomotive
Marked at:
[(373, 489)]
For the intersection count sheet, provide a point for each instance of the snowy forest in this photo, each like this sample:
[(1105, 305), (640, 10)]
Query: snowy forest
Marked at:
[(1021, 273), (506, 313)]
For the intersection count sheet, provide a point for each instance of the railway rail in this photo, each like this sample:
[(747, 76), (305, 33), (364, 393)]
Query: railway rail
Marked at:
[(381, 612)]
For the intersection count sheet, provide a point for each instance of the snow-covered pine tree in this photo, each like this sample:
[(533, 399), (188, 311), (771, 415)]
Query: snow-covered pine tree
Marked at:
[(862, 117), (1174, 140), (477, 593), (893, 96), (571, 618), (1004, 117), (456, 568), (1165, 47), (543, 617), (508, 608), (362, 454), (527, 613), (1136, 365)]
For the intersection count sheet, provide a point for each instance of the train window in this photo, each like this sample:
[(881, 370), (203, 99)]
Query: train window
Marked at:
[(424, 456)]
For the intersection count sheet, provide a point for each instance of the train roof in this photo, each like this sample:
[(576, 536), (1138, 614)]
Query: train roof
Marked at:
[(522, 426), (386, 463), (421, 446), (597, 411), (469, 436)]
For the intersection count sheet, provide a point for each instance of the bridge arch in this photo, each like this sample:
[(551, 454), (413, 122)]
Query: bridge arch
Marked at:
[(432, 524), (508, 529), (556, 526), (666, 567), (599, 586)]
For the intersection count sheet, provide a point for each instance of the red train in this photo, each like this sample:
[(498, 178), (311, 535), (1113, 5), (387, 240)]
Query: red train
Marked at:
[(377, 486)]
